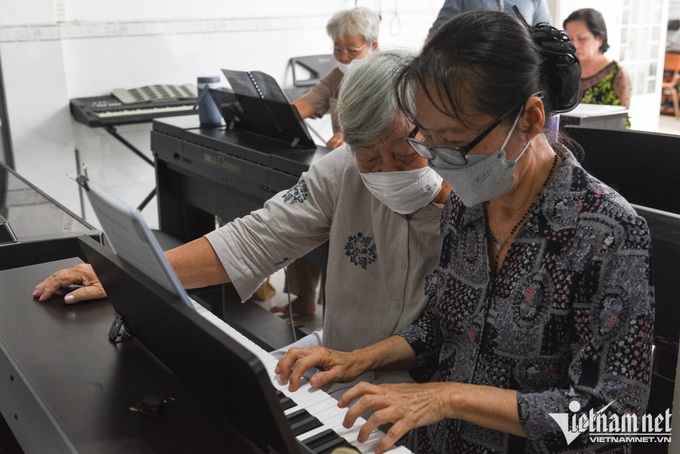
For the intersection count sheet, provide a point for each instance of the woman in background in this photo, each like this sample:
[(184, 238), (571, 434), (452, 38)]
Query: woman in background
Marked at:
[(603, 80)]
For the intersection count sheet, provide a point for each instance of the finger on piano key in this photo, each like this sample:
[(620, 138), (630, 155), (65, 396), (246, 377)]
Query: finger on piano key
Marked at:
[(315, 411), (314, 399), (370, 443)]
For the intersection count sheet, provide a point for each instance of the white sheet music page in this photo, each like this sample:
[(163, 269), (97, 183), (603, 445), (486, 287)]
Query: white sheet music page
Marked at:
[(133, 241)]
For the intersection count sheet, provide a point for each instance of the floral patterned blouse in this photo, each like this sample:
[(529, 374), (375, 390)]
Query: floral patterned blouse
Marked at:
[(609, 86), (569, 316)]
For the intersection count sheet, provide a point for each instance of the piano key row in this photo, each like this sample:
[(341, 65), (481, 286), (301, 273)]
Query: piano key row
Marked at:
[(315, 402), (154, 111)]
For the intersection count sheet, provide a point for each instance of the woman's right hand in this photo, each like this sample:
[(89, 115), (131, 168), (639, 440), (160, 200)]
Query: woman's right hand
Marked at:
[(334, 366), (81, 274)]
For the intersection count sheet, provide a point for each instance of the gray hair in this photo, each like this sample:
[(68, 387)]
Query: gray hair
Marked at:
[(367, 104), (355, 22)]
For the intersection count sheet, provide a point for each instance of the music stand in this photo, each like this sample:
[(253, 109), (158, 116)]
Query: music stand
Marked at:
[(222, 373), (262, 108)]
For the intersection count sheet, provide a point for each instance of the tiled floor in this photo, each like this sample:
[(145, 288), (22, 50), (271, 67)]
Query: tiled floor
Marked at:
[(668, 125), (305, 324), (128, 177)]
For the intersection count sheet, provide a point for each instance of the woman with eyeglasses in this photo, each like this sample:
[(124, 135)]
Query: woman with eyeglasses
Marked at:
[(355, 34), (541, 309), (375, 202)]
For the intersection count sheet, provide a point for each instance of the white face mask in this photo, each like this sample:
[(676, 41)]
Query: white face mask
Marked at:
[(342, 66), (404, 191)]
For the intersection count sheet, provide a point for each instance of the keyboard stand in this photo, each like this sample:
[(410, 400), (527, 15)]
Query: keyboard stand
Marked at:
[(88, 111), (111, 129)]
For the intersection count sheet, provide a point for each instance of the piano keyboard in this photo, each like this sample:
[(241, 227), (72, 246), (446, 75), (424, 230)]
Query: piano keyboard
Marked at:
[(107, 110), (313, 415), (152, 112)]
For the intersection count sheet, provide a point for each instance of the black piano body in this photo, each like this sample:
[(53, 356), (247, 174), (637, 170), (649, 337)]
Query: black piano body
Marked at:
[(202, 172)]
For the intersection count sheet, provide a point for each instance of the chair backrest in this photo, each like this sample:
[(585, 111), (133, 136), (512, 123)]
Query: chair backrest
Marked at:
[(671, 67), (310, 69)]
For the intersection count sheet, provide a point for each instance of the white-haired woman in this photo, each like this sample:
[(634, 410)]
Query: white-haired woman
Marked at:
[(355, 34)]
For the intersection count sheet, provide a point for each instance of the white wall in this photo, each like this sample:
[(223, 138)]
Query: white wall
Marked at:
[(56, 50), (674, 9)]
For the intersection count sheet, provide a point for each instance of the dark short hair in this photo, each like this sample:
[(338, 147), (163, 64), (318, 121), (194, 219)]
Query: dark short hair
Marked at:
[(595, 23)]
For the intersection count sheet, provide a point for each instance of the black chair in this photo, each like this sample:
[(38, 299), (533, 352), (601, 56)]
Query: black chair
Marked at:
[(307, 71), (310, 69), (644, 167)]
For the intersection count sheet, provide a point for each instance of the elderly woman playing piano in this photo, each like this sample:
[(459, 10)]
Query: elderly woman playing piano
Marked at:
[(374, 200)]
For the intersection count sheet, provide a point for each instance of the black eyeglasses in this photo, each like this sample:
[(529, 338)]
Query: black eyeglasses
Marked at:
[(456, 156)]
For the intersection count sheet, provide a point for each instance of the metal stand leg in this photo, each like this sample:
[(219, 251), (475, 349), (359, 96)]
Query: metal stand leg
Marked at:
[(112, 130), (147, 199), (80, 188)]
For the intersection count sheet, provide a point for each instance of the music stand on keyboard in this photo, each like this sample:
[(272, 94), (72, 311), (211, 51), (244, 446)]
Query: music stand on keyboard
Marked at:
[(152, 307), (226, 376), (264, 109)]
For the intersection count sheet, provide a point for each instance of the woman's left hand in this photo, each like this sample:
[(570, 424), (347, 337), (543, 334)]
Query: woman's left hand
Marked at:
[(406, 405)]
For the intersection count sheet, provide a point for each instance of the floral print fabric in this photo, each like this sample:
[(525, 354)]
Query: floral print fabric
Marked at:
[(610, 86), (569, 316)]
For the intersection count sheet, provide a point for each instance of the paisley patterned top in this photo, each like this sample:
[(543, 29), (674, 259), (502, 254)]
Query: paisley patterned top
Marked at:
[(610, 86), (569, 316)]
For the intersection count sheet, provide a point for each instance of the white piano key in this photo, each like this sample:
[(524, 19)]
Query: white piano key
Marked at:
[(311, 433), (317, 402), (131, 112)]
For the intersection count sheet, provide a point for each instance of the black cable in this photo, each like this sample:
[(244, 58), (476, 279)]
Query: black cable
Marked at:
[(290, 304)]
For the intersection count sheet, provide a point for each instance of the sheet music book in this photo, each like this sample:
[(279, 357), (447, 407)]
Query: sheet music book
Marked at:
[(132, 239), (256, 84)]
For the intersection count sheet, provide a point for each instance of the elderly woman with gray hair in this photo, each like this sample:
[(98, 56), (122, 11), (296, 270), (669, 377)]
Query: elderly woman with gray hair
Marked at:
[(374, 200), (355, 34)]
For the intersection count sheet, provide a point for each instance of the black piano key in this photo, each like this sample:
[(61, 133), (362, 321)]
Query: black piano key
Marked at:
[(286, 402), (326, 441), (321, 438), (301, 421), (332, 446)]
